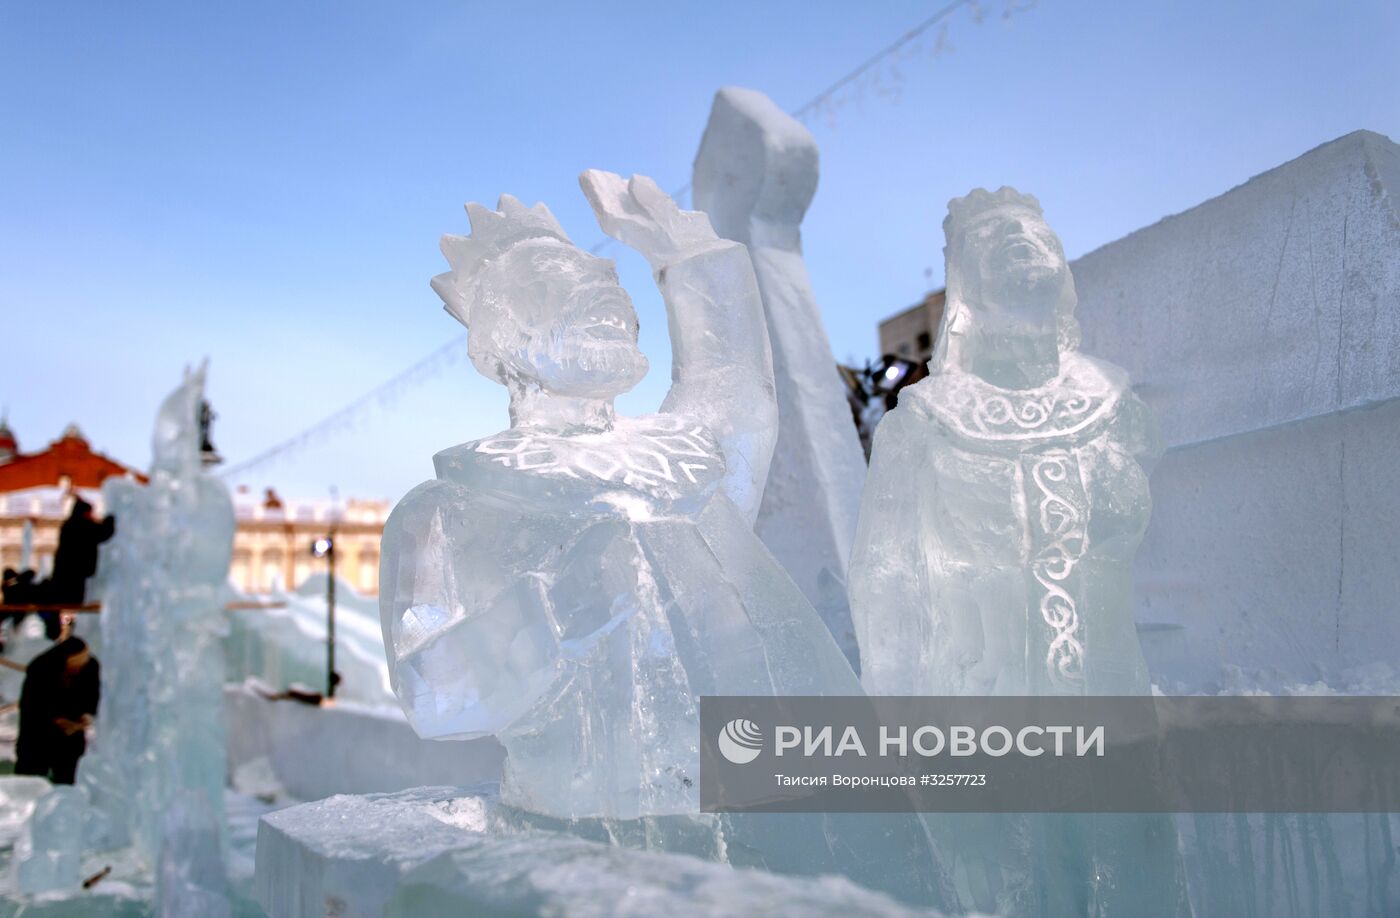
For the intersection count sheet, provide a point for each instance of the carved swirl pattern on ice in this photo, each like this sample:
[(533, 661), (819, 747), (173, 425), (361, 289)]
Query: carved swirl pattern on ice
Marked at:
[(1062, 541), (1000, 415), (1081, 399), (667, 455)]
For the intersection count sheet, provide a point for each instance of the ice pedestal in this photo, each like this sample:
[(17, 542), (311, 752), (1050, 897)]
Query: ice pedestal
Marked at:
[(566, 876), (345, 855), (447, 851)]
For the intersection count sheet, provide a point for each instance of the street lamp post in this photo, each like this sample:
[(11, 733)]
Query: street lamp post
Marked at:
[(324, 547)]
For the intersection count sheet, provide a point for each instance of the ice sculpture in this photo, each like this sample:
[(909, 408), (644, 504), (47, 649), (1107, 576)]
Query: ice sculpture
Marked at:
[(1005, 496), (575, 583), (994, 551), (159, 762), (755, 175)]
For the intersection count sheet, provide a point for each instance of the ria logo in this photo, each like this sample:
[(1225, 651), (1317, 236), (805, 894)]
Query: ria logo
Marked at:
[(740, 741)]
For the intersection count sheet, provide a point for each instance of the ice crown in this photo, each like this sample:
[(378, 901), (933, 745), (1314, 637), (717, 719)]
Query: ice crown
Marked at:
[(979, 200), (493, 233)]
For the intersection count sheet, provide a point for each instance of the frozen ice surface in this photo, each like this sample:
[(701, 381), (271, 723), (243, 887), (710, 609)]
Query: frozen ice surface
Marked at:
[(560, 875), (755, 175), (575, 583), (159, 761), (345, 855), (994, 551), (445, 851), (48, 855)]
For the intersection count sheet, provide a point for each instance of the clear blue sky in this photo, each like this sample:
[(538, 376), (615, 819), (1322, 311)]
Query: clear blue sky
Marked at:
[(265, 182)]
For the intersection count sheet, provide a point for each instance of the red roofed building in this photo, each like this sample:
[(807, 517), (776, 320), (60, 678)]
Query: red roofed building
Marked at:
[(271, 549), (36, 492), (9, 446), (69, 462)]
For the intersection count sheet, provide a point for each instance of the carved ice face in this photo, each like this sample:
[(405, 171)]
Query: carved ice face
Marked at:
[(1016, 264), (561, 319)]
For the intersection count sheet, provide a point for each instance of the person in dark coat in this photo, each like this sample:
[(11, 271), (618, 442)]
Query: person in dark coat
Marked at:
[(56, 705), (75, 560), (18, 589)]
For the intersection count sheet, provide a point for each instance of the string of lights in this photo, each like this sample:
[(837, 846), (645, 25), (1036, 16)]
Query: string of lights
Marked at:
[(870, 75), (380, 396)]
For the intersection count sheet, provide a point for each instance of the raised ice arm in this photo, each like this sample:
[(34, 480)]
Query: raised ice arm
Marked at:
[(721, 367)]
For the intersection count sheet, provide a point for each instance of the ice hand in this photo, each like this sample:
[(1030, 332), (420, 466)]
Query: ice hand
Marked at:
[(639, 214)]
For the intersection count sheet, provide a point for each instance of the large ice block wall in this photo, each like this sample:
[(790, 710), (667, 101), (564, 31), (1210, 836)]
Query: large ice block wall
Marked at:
[(1263, 328)]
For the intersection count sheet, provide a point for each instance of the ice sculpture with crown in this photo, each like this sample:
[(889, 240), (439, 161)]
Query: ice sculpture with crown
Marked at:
[(575, 583), (1005, 498), (994, 551)]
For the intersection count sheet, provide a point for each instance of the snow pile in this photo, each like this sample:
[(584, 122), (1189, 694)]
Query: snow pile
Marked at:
[(286, 646)]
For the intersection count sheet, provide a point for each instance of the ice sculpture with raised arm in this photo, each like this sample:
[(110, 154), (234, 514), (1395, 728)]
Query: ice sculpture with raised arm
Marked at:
[(755, 175), (574, 584), (159, 765)]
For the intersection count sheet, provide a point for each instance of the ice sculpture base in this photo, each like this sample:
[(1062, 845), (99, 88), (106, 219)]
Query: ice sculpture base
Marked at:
[(439, 850)]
